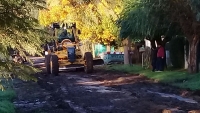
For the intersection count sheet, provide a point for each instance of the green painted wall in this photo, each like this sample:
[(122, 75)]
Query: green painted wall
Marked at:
[(99, 48)]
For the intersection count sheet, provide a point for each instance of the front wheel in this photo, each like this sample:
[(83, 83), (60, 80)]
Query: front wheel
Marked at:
[(54, 65), (88, 64), (47, 63)]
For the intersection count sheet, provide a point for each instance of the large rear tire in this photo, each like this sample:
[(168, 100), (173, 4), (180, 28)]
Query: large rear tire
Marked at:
[(47, 64), (88, 65), (54, 65)]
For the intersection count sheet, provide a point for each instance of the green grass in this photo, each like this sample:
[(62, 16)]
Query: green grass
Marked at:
[(6, 107), (7, 94), (193, 82), (178, 78), (6, 97)]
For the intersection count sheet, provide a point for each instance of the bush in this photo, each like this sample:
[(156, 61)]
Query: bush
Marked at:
[(6, 107), (7, 95), (176, 50)]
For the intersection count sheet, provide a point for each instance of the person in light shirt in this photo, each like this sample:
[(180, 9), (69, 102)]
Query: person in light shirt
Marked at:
[(147, 42)]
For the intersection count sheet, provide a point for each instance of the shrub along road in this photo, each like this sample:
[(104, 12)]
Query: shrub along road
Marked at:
[(100, 92)]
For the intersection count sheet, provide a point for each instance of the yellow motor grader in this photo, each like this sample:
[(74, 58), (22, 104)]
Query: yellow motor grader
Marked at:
[(66, 53)]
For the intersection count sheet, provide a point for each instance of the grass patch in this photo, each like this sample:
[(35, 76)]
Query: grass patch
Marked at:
[(193, 82), (6, 107), (6, 97), (178, 78)]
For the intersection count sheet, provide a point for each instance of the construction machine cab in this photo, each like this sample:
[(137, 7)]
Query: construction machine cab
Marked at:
[(67, 31)]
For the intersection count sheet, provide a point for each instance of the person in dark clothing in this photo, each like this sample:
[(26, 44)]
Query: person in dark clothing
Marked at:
[(163, 44), (153, 58), (160, 58), (167, 54), (154, 51)]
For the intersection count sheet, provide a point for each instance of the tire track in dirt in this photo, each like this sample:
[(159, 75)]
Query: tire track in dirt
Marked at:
[(100, 92)]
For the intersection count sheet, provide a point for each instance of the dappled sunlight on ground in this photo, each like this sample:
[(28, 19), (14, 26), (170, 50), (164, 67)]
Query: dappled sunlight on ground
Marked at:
[(90, 83), (123, 80), (105, 91), (111, 80)]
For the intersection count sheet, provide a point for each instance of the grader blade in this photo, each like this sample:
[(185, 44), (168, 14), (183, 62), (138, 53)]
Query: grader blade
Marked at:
[(98, 62)]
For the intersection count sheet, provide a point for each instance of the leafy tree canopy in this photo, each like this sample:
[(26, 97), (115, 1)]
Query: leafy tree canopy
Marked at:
[(95, 18), (157, 17), (19, 30), (146, 17)]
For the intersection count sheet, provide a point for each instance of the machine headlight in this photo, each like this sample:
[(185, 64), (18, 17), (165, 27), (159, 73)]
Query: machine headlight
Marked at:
[(46, 53)]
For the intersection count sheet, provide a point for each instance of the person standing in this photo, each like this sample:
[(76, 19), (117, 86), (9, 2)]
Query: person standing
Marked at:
[(154, 51), (163, 44), (160, 58), (168, 61), (153, 58)]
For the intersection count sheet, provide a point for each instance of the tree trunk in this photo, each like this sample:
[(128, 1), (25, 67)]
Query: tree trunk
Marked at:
[(192, 61), (126, 51), (126, 55), (108, 48), (185, 58), (93, 50), (129, 49)]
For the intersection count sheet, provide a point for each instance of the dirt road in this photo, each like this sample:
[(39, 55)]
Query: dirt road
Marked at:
[(100, 92)]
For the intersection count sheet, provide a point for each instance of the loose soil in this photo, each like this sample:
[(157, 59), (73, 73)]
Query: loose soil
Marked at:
[(100, 92)]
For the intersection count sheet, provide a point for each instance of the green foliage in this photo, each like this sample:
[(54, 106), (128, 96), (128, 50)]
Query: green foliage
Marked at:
[(6, 97), (7, 94), (185, 13), (19, 30), (177, 51), (155, 18), (194, 4), (192, 82), (5, 105), (143, 17)]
